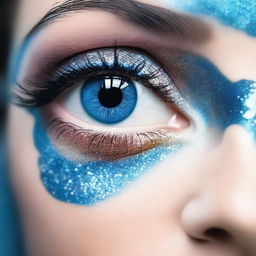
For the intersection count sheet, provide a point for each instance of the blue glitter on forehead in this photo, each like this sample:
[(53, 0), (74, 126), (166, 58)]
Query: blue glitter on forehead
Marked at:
[(88, 183), (239, 14)]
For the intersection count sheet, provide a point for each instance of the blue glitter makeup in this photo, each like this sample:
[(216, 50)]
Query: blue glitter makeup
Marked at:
[(92, 165), (16, 61), (239, 14), (219, 102), (88, 183)]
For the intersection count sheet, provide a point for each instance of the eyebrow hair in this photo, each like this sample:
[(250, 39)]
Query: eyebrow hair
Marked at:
[(154, 18)]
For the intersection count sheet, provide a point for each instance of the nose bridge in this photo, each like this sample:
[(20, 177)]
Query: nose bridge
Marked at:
[(235, 158), (227, 200), (234, 171)]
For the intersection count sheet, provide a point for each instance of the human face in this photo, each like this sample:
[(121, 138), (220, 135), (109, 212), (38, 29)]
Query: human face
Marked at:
[(136, 134)]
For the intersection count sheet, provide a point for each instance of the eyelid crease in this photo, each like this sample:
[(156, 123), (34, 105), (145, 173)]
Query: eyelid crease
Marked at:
[(97, 145)]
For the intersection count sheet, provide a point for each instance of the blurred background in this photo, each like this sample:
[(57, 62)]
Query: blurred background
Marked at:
[(10, 238)]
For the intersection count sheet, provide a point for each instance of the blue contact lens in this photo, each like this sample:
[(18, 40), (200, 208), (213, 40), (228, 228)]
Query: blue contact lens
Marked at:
[(109, 100)]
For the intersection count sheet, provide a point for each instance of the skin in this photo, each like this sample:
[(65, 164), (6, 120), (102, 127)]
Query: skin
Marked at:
[(202, 202)]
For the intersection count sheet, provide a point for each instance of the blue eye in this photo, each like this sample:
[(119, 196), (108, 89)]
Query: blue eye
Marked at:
[(110, 99)]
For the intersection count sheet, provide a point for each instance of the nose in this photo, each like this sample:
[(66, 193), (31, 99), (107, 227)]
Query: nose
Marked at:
[(224, 208)]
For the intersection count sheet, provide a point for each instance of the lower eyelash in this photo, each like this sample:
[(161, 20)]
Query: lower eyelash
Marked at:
[(106, 146)]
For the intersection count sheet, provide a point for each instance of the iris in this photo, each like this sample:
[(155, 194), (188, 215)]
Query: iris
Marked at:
[(109, 100)]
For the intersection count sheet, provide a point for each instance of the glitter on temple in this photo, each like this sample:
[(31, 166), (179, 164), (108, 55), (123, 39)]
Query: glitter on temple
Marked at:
[(239, 14)]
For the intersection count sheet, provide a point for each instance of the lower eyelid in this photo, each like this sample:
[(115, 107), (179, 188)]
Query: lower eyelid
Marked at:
[(92, 142), (108, 146)]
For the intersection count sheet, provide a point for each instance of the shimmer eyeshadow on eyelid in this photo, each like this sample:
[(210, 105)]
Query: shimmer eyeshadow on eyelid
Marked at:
[(124, 61)]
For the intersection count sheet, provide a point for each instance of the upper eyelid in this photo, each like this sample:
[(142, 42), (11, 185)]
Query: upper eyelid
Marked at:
[(116, 51), (37, 33), (36, 91), (115, 46)]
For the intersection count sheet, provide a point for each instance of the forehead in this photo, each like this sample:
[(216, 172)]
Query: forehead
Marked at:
[(239, 14)]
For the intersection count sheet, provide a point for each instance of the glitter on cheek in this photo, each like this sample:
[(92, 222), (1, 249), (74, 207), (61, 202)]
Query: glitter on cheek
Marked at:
[(88, 183), (239, 14)]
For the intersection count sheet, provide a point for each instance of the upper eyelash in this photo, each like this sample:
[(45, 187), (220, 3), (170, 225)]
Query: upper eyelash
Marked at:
[(33, 95)]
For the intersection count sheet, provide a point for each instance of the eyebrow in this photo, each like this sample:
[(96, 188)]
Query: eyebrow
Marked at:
[(153, 18)]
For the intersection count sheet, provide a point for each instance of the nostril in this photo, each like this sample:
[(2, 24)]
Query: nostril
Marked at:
[(217, 234)]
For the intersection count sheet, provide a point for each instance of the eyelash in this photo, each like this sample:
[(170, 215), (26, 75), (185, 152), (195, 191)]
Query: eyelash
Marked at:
[(108, 146), (34, 95), (126, 62)]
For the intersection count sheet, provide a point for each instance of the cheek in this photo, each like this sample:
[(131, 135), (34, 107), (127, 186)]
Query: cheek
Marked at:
[(150, 205), (32, 180), (22, 153), (90, 182), (109, 226)]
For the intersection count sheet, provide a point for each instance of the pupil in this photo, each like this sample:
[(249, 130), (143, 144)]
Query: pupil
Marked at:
[(110, 98)]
